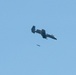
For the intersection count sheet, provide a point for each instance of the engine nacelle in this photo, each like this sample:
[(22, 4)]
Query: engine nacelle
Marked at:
[(43, 33)]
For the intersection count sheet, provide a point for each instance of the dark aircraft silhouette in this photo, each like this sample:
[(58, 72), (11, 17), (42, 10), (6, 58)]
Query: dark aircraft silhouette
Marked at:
[(38, 45), (43, 33)]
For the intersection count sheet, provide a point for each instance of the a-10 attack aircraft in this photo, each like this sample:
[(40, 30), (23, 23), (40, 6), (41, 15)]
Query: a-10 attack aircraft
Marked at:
[(43, 33)]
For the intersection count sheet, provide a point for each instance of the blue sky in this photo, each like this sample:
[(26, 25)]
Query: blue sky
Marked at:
[(19, 54)]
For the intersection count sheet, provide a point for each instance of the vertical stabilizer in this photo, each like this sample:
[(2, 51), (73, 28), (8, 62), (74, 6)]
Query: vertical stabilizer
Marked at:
[(33, 29)]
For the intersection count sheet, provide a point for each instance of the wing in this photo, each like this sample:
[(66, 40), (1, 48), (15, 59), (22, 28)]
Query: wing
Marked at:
[(51, 36)]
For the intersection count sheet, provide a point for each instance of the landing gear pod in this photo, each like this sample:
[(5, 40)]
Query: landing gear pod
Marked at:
[(33, 29)]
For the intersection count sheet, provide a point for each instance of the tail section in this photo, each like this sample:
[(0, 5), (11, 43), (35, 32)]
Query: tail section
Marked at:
[(33, 29)]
